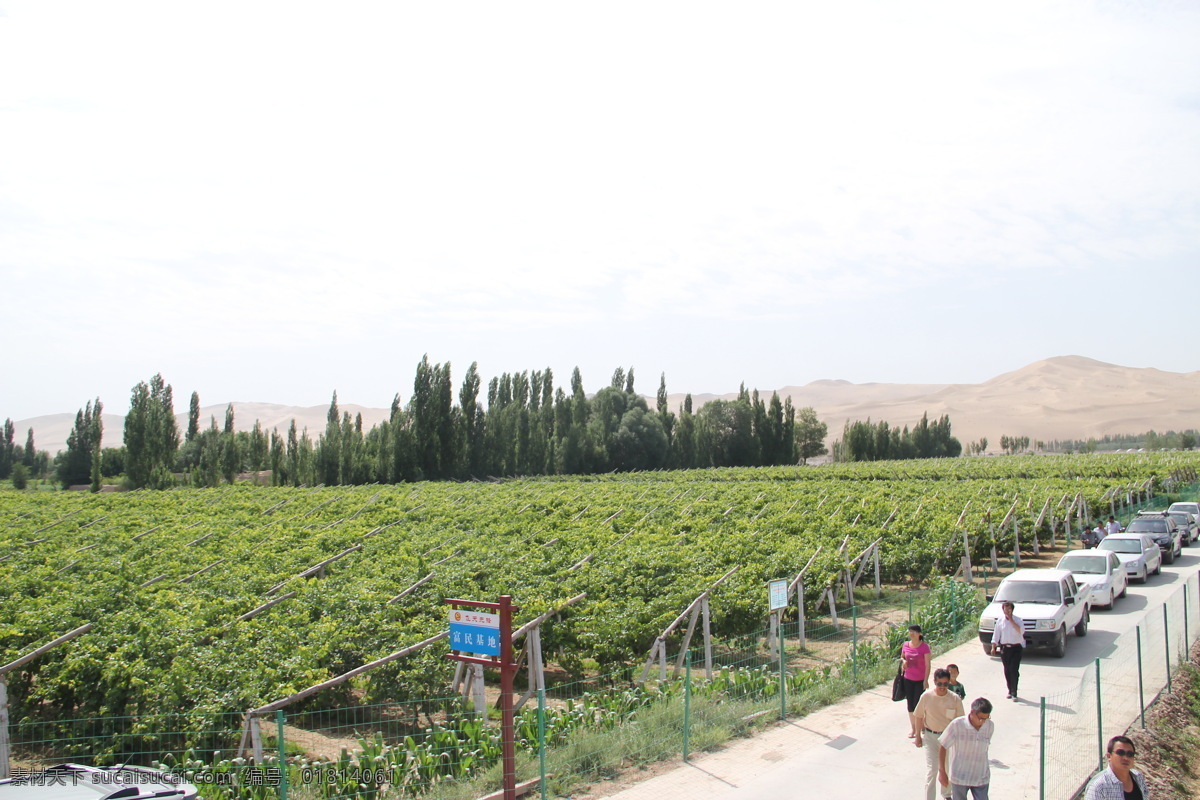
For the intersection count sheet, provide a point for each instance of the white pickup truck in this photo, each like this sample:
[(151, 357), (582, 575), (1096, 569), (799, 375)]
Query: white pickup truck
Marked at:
[(1050, 603)]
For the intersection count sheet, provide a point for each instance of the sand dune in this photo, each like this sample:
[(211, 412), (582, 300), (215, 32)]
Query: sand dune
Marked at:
[(1068, 397)]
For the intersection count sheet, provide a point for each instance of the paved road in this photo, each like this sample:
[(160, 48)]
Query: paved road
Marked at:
[(859, 748)]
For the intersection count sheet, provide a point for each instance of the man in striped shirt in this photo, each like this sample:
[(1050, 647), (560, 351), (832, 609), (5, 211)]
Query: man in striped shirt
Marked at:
[(964, 744)]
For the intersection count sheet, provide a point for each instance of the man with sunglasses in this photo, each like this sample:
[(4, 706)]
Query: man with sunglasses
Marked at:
[(936, 709), (1119, 780)]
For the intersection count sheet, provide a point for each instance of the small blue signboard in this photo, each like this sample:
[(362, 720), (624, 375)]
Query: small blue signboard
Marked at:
[(474, 632)]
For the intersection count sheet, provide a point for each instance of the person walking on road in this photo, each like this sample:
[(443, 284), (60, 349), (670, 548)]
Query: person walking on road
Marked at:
[(963, 753), (935, 710), (1119, 780), (1113, 526), (917, 663), (1008, 641)]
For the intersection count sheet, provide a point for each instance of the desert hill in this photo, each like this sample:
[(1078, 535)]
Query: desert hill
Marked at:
[(1067, 397)]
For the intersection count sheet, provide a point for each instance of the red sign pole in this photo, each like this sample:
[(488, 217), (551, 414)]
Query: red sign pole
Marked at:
[(508, 671)]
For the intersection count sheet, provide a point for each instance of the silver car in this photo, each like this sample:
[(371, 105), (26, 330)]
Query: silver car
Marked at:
[(1100, 569), (1140, 555)]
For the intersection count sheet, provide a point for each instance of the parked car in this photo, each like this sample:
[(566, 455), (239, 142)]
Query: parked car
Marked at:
[(1186, 522), (1049, 602), (1140, 555), (1191, 508), (1159, 526), (79, 782), (1099, 569)]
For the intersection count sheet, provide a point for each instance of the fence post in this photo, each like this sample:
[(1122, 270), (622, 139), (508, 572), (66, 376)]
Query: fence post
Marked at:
[(953, 609), (1042, 755), (1167, 645), (854, 641), (687, 703), (1141, 689), (782, 678), (542, 738), (1099, 720), (283, 774)]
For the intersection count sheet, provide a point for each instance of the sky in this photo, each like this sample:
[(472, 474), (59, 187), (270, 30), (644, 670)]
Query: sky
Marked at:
[(271, 201)]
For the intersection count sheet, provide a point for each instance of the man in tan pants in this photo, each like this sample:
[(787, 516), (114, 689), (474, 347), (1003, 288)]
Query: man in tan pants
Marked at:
[(934, 711)]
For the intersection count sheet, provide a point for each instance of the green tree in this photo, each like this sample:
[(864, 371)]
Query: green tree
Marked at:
[(810, 434), (329, 458), (29, 457), (725, 434), (151, 435), (20, 476), (83, 447), (230, 452), (193, 429), (258, 452), (7, 449)]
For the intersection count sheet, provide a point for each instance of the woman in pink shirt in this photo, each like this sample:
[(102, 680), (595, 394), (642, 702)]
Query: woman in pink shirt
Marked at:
[(917, 662)]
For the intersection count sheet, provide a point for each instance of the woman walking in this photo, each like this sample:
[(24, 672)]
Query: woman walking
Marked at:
[(917, 663)]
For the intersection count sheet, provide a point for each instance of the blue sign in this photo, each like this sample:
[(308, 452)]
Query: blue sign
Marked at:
[(475, 632)]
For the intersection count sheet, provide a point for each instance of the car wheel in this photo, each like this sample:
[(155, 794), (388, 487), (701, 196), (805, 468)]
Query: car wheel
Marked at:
[(1158, 569), (1112, 600), (1124, 589), (1081, 628), (1142, 578), (1059, 649), (1170, 556)]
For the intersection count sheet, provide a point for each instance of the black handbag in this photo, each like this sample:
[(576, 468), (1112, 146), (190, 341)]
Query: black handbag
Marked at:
[(898, 685)]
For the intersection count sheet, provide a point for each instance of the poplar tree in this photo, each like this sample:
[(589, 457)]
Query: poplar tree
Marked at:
[(231, 458), (7, 449), (151, 435), (30, 455), (193, 429), (329, 447), (83, 447)]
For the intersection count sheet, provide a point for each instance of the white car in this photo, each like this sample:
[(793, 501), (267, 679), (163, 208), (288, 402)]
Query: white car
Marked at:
[(1141, 555), (1191, 508), (80, 782), (1100, 569)]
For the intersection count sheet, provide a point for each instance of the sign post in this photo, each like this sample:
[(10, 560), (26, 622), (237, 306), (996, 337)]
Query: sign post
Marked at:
[(485, 637), (777, 593)]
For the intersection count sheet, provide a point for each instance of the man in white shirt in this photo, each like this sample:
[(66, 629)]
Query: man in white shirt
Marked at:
[(964, 744), (935, 710), (1008, 641), (1113, 525)]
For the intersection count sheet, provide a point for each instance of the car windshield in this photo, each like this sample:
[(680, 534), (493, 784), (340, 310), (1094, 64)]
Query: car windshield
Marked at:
[(1148, 526), (1121, 545), (1089, 565), (1180, 519), (1028, 592), (1191, 508)]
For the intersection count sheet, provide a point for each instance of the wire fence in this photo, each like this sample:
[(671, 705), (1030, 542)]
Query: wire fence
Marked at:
[(1113, 694), (576, 731)]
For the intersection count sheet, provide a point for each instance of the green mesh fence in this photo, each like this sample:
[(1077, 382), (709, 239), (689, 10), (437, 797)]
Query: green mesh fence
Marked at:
[(576, 732), (1113, 694)]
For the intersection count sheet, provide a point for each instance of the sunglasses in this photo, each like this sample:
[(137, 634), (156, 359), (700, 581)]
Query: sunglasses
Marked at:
[(941, 683), (1123, 753)]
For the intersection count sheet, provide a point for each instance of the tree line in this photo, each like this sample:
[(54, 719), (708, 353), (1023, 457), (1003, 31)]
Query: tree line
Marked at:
[(522, 424), (865, 441)]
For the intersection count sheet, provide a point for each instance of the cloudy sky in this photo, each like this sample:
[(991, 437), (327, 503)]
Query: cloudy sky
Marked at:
[(270, 201)]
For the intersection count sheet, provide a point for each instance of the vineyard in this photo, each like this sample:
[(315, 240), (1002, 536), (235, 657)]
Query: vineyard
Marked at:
[(222, 600)]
